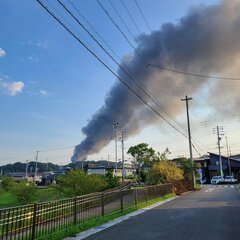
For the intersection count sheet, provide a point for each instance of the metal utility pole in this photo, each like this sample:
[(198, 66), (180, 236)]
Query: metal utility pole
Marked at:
[(190, 139), (229, 164), (26, 172), (36, 162), (218, 129), (123, 157), (115, 125)]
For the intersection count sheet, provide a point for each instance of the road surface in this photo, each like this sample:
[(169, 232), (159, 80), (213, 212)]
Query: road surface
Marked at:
[(210, 214)]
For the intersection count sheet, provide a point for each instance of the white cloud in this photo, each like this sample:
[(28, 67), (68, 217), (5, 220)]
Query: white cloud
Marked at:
[(43, 92), (43, 43), (2, 52), (11, 88), (33, 58)]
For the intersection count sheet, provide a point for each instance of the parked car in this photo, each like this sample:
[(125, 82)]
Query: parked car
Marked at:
[(230, 179), (217, 179)]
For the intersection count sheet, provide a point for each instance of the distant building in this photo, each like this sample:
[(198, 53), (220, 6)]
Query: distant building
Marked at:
[(211, 165), (103, 167), (20, 176)]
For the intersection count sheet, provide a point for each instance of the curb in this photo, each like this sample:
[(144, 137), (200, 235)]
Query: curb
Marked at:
[(111, 223)]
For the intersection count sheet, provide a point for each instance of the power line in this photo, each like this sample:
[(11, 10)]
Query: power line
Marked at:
[(129, 14), (113, 22), (161, 107), (157, 103), (145, 20), (123, 22), (104, 64), (124, 71), (192, 74)]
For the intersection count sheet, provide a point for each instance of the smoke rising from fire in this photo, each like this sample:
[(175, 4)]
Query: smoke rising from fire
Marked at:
[(205, 41)]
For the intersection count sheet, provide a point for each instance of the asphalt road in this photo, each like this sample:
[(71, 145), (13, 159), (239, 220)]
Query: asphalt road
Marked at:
[(210, 214)]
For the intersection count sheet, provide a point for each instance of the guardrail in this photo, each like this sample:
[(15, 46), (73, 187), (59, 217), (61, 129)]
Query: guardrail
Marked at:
[(35, 221)]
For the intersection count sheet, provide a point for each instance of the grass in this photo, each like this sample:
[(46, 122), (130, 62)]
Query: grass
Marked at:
[(7, 199), (72, 230)]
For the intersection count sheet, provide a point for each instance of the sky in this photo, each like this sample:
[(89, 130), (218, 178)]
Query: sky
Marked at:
[(50, 86)]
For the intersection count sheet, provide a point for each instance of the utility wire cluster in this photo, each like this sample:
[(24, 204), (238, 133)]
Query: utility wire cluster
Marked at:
[(169, 119)]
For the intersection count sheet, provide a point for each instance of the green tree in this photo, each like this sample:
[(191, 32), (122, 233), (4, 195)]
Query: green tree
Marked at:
[(164, 172), (112, 181), (77, 183), (186, 165), (6, 183), (164, 155), (143, 156), (24, 191)]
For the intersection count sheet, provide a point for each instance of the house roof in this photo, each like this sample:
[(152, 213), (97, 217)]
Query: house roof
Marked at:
[(207, 157)]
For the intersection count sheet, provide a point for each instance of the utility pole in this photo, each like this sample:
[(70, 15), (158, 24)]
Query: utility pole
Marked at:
[(26, 172), (36, 162), (115, 125), (229, 164), (190, 140), (217, 130), (123, 156), (82, 159)]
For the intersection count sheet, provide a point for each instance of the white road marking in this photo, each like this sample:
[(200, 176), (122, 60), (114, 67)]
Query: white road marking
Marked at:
[(210, 189)]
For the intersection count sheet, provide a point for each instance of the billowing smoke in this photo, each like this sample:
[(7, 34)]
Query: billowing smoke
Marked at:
[(206, 40)]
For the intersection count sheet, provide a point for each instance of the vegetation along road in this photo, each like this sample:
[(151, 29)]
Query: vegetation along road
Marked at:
[(211, 213)]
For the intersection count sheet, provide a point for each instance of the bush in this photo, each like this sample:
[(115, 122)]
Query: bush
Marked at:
[(6, 183), (164, 172), (112, 181), (24, 191), (77, 183)]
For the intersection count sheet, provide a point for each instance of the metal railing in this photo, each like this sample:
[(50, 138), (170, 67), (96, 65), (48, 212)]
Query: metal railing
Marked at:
[(39, 220)]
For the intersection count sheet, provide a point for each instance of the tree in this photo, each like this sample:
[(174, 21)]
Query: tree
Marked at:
[(77, 183), (24, 191), (6, 183), (164, 172), (163, 155), (112, 181), (143, 156), (187, 167)]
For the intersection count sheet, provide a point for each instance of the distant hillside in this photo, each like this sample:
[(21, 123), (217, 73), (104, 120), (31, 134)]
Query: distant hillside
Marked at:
[(21, 167), (43, 167)]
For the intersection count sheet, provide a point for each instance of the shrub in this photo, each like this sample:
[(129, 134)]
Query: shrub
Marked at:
[(77, 183), (6, 183), (164, 172), (24, 191)]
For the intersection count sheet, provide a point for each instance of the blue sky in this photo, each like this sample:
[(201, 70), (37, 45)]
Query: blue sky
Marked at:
[(50, 85)]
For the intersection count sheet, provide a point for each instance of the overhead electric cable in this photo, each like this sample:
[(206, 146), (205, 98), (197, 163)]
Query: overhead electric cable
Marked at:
[(129, 14), (123, 22), (192, 74), (104, 64), (82, 25), (145, 20), (113, 22)]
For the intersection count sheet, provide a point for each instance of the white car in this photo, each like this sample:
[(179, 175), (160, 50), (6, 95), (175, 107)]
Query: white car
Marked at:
[(230, 179), (217, 179)]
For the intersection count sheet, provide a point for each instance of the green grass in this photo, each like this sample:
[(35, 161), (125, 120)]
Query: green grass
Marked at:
[(72, 230), (7, 199)]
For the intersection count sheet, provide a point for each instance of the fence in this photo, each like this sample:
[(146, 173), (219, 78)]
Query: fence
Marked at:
[(39, 220)]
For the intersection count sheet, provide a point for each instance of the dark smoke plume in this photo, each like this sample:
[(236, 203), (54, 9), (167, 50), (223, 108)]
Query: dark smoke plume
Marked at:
[(207, 41)]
